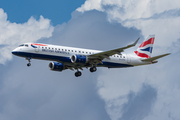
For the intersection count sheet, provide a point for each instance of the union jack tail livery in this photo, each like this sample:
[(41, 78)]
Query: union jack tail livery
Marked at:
[(145, 49)]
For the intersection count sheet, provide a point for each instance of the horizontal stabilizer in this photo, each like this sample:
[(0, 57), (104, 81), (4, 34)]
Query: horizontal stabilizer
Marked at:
[(155, 58)]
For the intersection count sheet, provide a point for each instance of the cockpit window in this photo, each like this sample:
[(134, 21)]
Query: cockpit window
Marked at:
[(21, 45)]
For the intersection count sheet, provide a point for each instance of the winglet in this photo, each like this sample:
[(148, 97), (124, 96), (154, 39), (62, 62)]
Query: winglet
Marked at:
[(134, 42)]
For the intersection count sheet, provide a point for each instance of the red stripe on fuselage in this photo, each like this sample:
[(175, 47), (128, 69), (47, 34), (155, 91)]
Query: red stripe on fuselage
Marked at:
[(150, 41), (38, 44), (142, 54)]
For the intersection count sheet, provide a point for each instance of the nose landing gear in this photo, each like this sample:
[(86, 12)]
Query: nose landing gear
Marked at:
[(29, 64), (29, 60)]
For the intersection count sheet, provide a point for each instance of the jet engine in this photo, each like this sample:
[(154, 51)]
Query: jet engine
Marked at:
[(56, 66), (79, 59)]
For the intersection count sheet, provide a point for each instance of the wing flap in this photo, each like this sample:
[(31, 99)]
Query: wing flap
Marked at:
[(155, 58)]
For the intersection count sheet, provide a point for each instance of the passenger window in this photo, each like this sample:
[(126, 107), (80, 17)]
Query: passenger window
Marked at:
[(65, 50), (42, 47), (79, 51), (86, 52), (26, 45), (75, 51), (59, 48), (62, 49), (72, 50)]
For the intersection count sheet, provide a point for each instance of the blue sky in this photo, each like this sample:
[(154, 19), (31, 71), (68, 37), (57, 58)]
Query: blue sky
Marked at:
[(148, 92), (58, 11)]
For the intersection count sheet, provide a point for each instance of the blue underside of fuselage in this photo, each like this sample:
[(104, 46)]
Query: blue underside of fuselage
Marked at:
[(66, 59)]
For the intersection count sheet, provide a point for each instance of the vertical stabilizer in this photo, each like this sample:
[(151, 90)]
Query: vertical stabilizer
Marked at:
[(145, 49)]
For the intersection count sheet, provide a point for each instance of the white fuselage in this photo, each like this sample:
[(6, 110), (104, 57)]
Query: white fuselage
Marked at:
[(63, 54)]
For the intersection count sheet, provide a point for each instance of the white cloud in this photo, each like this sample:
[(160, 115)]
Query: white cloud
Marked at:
[(166, 30), (114, 90), (13, 34), (140, 14), (130, 9), (90, 5), (116, 85)]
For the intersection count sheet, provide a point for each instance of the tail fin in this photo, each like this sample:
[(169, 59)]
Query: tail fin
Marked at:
[(145, 49)]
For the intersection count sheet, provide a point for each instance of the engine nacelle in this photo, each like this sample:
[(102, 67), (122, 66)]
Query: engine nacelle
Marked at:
[(79, 59), (56, 66)]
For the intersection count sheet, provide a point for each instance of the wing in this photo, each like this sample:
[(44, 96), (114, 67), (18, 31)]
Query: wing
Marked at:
[(106, 54)]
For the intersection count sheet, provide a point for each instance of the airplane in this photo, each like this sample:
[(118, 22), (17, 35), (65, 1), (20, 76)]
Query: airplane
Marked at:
[(77, 58)]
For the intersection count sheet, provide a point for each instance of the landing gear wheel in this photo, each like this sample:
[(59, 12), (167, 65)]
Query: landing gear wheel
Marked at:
[(93, 69), (78, 73), (29, 64), (29, 60)]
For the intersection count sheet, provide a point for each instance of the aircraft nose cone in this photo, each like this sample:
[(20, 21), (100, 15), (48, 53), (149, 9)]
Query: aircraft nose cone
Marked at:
[(15, 52)]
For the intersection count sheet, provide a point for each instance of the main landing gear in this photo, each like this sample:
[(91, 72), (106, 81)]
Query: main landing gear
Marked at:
[(78, 73), (93, 69), (29, 60)]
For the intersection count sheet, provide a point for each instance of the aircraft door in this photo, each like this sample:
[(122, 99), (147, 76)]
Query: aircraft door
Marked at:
[(128, 58), (37, 49)]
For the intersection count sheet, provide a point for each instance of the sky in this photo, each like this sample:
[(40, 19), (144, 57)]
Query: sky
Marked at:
[(58, 11), (138, 93)]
